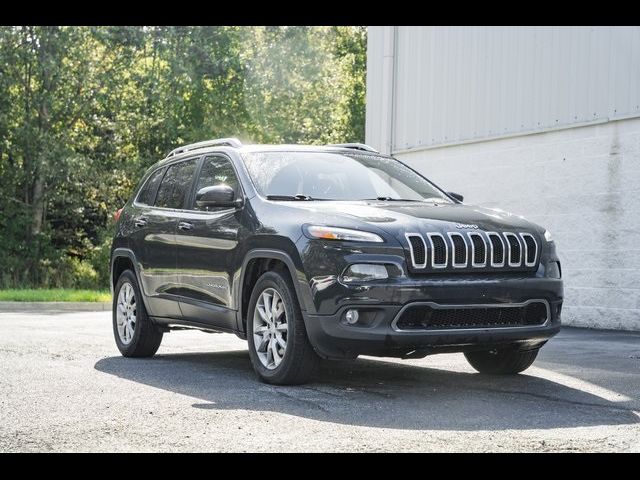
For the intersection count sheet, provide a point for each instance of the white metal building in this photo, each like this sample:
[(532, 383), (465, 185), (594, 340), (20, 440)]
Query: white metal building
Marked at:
[(541, 121)]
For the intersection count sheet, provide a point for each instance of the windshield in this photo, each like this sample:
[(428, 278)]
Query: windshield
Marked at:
[(337, 176)]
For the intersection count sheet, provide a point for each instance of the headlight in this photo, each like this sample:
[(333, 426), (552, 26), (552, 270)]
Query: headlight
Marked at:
[(547, 236), (364, 272), (336, 233)]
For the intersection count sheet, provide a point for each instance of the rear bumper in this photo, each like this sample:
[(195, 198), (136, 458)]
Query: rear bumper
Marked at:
[(333, 337)]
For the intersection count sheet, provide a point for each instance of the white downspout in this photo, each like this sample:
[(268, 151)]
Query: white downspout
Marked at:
[(388, 89)]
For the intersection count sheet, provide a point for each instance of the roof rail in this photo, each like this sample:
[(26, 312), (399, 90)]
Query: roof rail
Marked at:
[(229, 142), (355, 146)]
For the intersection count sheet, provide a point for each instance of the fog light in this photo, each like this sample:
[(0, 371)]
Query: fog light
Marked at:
[(351, 316), (553, 270), (364, 272)]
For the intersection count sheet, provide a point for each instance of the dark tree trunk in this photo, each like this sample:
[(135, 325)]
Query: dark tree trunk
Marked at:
[(38, 204)]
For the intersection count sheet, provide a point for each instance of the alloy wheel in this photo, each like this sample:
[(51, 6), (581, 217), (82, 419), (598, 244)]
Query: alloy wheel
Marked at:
[(270, 328), (126, 313)]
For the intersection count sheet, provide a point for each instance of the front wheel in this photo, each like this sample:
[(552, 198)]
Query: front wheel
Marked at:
[(278, 344), (501, 362), (135, 333)]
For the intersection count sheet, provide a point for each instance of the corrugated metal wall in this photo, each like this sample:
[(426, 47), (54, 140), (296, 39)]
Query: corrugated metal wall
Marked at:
[(456, 84)]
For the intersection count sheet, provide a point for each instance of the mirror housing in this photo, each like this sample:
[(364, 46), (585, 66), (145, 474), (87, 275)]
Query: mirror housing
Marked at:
[(457, 196), (217, 196)]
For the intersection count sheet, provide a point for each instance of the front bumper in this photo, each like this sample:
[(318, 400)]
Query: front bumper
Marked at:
[(333, 337)]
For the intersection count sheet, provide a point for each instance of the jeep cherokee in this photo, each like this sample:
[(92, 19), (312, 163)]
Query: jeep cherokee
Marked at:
[(327, 252)]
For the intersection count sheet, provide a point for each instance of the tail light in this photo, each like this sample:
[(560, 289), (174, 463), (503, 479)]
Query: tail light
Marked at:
[(116, 215)]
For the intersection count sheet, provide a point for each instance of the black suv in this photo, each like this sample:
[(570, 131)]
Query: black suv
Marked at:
[(331, 252)]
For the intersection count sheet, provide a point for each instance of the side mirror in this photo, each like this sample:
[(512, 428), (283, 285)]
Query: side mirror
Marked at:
[(455, 195), (216, 196)]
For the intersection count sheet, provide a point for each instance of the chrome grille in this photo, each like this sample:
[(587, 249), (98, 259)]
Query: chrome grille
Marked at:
[(472, 250)]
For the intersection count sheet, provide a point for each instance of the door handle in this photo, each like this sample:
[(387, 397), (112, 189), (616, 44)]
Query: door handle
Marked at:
[(140, 222), (185, 226)]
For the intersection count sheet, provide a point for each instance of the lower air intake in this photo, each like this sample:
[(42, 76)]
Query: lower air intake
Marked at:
[(434, 317)]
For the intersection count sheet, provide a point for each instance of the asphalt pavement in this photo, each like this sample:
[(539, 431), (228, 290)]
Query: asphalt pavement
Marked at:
[(65, 387)]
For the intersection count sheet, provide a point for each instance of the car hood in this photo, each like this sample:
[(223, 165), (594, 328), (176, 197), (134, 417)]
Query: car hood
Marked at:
[(398, 218)]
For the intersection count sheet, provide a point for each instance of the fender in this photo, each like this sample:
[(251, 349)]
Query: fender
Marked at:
[(126, 252), (302, 290)]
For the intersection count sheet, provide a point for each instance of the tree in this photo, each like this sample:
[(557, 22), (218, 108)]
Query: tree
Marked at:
[(85, 110)]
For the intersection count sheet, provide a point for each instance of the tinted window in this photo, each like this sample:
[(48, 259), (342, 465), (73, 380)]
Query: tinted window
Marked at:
[(336, 176), (175, 185), (217, 171), (148, 192)]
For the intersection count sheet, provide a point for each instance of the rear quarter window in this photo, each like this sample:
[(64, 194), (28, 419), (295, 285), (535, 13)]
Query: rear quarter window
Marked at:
[(147, 193)]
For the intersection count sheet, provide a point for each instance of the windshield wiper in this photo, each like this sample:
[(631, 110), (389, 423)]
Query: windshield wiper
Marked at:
[(433, 200), (391, 199), (299, 196)]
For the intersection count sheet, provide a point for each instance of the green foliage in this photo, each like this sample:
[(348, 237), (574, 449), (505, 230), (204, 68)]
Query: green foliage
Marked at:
[(98, 258), (85, 110), (54, 295)]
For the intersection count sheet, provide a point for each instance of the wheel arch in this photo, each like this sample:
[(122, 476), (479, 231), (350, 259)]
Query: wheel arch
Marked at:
[(257, 259), (124, 259)]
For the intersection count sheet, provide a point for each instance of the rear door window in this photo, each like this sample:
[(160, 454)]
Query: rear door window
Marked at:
[(176, 185)]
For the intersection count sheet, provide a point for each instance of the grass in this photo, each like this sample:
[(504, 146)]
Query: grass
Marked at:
[(54, 295)]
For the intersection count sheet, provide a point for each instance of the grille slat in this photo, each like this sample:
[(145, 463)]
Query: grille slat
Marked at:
[(426, 317), (439, 250), (515, 253), (530, 249), (497, 250), (472, 250), (418, 250), (479, 249), (459, 249)]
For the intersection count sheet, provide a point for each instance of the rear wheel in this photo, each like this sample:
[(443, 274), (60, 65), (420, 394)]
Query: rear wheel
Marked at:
[(502, 362), (135, 333), (278, 344)]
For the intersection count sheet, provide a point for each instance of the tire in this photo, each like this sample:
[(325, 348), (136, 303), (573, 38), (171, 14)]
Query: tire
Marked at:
[(146, 337), (502, 362), (298, 360)]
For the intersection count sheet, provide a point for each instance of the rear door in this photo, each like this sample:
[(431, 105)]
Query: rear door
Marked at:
[(155, 239), (207, 247)]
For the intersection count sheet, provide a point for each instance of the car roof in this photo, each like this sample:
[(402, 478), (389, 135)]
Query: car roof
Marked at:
[(256, 148), (295, 148)]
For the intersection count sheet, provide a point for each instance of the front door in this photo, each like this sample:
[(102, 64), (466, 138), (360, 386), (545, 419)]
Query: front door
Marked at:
[(207, 246)]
